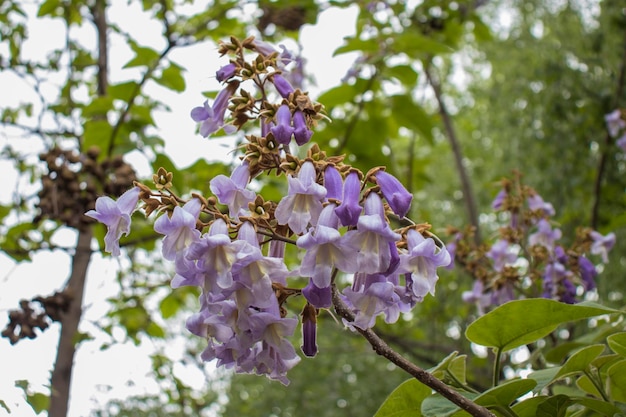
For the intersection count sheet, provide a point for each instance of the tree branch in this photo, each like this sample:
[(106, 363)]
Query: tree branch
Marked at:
[(381, 348), (62, 372), (608, 141), (466, 185)]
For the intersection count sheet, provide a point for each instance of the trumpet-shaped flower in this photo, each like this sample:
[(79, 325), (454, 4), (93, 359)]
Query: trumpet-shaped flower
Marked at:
[(283, 130), (215, 256), (179, 229), (324, 250), (212, 117), (421, 264), (371, 238), (350, 209), (371, 295), (398, 198), (301, 131), (232, 191), (115, 215), (303, 204)]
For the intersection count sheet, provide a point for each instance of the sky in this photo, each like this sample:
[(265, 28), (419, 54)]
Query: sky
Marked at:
[(103, 375)]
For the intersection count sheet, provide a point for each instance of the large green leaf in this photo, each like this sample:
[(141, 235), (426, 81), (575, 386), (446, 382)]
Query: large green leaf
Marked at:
[(617, 381), (555, 406), (520, 322), (617, 343), (503, 395), (404, 401), (580, 360)]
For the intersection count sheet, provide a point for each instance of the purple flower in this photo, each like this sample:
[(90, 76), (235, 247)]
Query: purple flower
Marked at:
[(273, 355), (502, 254), (225, 72), (333, 183), (497, 202), (421, 262), (477, 295), (282, 85), (588, 273), (536, 203), (115, 215), (179, 229), (371, 238), (614, 122), (350, 209), (303, 203), (216, 254), (318, 297), (545, 235), (602, 244), (212, 117), (283, 130), (324, 250), (398, 198), (371, 295), (309, 330), (301, 132), (232, 191), (254, 273)]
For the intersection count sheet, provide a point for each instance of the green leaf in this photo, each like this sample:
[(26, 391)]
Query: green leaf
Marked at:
[(155, 330), (603, 407), (144, 56), (617, 343), (38, 401), (520, 322), (48, 7), (414, 45), (506, 393), (99, 106), (560, 352), (438, 406), (97, 133), (355, 44), (528, 407), (544, 377), (555, 406), (123, 91), (405, 400), (580, 361), (5, 406), (453, 365), (617, 381), (170, 305), (403, 73), (411, 115), (172, 78)]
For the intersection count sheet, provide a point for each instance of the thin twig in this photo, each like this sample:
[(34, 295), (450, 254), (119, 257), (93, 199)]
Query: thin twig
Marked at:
[(381, 348)]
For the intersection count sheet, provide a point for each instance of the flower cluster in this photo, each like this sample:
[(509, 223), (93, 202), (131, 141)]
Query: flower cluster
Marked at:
[(528, 259), (233, 244)]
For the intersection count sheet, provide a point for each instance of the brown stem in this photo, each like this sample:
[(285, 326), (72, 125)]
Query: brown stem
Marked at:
[(384, 350), (60, 381), (62, 372), (608, 141), (466, 185)]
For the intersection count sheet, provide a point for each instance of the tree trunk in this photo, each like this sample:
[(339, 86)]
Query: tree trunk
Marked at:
[(62, 373)]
